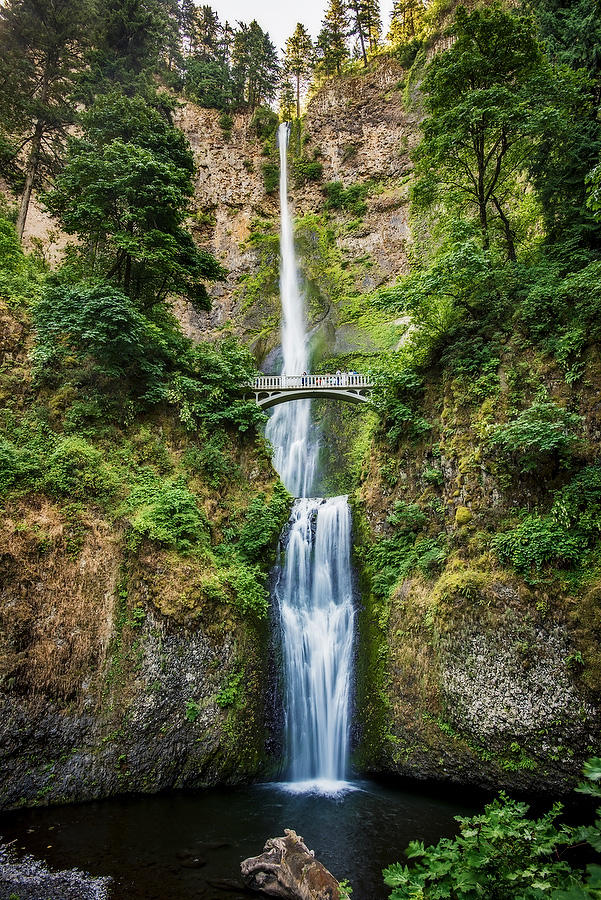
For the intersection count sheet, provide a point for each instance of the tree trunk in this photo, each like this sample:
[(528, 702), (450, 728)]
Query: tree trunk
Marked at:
[(507, 229), (30, 175), (298, 95)]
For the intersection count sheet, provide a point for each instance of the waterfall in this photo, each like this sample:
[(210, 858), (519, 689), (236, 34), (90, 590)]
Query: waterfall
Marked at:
[(315, 597), (289, 427), (313, 587)]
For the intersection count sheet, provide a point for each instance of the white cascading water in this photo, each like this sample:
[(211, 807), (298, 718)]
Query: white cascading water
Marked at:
[(289, 427), (314, 585)]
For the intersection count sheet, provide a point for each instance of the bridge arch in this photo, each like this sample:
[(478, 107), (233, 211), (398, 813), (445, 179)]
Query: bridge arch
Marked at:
[(271, 390)]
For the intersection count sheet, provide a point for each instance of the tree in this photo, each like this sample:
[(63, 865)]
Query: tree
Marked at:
[(129, 44), (255, 65), (482, 98), (571, 142), (331, 42), (124, 191), (42, 46), (298, 61), (287, 101), (406, 21), (365, 24)]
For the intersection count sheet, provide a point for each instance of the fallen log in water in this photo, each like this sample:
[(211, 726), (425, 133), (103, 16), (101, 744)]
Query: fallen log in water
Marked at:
[(288, 869)]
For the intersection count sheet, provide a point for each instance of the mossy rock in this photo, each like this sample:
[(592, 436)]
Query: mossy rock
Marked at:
[(463, 516)]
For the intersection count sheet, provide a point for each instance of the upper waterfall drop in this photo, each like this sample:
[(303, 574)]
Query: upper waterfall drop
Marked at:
[(289, 428)]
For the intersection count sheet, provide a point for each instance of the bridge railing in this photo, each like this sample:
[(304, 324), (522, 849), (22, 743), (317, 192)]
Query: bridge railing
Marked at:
[(286, 382)]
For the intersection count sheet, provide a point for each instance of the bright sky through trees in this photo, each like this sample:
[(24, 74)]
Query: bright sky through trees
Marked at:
[(279, 17)]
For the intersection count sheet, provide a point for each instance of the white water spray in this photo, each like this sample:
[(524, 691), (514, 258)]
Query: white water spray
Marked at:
[(314, 587)]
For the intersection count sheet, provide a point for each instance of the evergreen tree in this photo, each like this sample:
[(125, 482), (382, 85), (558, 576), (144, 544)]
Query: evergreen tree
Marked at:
[(287, 101), (255, 65), (365, 24), (331, 43), (188, 26), (406, 21), (298, 61), (41, 54), (130, 41), (209, 33)]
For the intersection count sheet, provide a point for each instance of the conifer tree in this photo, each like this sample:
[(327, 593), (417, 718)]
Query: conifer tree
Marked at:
[(331, 43), (365, 24), (407, 20), (130, 40), (188, 24), (209, 32), (41, 53), (255, 65), (298, 61), (287, 101)]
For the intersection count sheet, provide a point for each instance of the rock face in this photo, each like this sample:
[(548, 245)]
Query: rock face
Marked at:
[(469, 672), (289, 870), (108, 689), (358, 129)]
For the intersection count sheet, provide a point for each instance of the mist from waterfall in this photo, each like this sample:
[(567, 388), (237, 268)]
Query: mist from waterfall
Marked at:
[(314, 585)]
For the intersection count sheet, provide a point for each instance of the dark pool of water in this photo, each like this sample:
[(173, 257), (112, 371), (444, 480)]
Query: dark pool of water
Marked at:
[(176, 846)]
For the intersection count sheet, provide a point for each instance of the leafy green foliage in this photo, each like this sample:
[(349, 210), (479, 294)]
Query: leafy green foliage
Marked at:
[(500, 847), (482, 116), (307, 170), (561, 537), (230, 693), (124, 190), (96, 331), (390, 559), (271, 176), (165, 511), (263, 523), (542, 431), (209, 82), (264, 123), (75, 469), (398, 404), (350, 199)]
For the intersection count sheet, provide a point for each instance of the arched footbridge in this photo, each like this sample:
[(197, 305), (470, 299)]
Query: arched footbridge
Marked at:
[(270, 390)]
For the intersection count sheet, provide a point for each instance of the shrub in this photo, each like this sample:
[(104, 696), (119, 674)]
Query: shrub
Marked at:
[(271, 176), (397, 402), (500, 847), (229, 694), (537, 541), (76, 469), (98, 322), (264, 122), (536, 434), (250, 593), (166, 512), (350, 199), (306, 170), (226, 123), (263, 523)]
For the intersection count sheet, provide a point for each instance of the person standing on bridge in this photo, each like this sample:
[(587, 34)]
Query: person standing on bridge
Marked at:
[(304, 379), (338, 374)]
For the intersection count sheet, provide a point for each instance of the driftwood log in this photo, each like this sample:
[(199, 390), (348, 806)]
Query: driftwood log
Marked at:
[(288, 869)]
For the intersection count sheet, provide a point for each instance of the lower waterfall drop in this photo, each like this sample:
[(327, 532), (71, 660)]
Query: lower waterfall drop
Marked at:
[(315, 596)]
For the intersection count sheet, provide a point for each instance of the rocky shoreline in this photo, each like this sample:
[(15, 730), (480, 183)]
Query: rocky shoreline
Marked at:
[(29, 879)]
